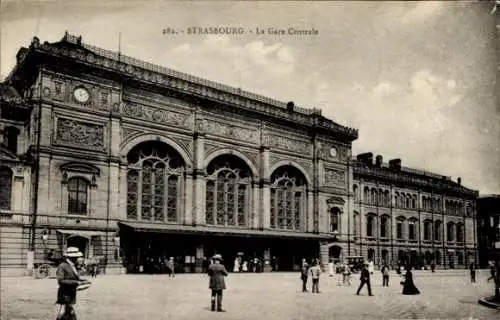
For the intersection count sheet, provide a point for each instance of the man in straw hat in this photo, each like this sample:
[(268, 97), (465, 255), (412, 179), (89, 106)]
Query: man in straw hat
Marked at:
[(69, 280), (217, 272)]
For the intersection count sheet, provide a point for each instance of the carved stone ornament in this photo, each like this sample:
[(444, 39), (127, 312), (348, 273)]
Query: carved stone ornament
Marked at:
[(158, 115), (334, 178), (279, 142), (81, 134), (128, 133), (335, 200), (230, 131)]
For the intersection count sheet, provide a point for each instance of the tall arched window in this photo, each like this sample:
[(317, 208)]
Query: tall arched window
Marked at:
[(384, 226), (396, 199), (355, 191), (77, 195), (412, 229), (355, 224), (154, 182), (450, 231), (400, 228), (437, 230), (387, 199), (460, 232), (427, 230), (288, 198), (366, 195), (6, 188), (335, 219), (370, 225), (414, 202), (228, 189), (373, 199)]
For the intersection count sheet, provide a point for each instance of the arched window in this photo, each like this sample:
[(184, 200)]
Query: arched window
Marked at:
[(427, 230), (460, 232), (399, 229), (387, 199), (6, 188), (355, 223), (373, 199), (414, 202), (370, 225), (384, 227), (228, 189), (412, 232), (381, 197), (450, 231), (437, 230), (288, 198), (10, 138), (407, 201), (371, 254), (366, 195), (335, 219), (355, 192), (396, 200), (77, 195), (154, 182)]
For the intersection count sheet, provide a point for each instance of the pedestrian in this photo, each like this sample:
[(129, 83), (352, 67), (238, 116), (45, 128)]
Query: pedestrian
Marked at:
[(244, 266), (217, 284), (385, 275), (315, 272), (472, 269), (365, 279), (69, 282), (409, 287), (330, 268), (236, 266), (303, 274), (346, 275), (433, 267), (371, 267), (171, 267)]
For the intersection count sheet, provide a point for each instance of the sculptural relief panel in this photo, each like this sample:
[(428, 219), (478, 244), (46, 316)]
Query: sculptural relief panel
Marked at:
[(286, 143), (332, 152), (158, 115), (334, 178), (230, 131), (80, 134)]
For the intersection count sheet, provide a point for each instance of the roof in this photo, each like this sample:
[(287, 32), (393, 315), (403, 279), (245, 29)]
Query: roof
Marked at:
[(73, 48)]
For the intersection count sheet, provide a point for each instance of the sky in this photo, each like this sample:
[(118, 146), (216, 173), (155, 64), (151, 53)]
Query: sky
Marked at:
[(417, 79)]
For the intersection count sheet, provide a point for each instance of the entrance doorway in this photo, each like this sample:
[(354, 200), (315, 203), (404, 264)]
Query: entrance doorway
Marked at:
[(334, 253), (80, 242)]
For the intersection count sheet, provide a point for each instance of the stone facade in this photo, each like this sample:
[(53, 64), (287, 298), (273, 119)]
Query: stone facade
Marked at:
[(403, 215), (133, 163)]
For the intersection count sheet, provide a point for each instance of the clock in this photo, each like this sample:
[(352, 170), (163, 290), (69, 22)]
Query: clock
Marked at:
[(81, 95), (333, 152)]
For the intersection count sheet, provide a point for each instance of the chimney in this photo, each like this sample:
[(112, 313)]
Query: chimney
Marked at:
[(290, 106), (395, 164), (378, 161), (459, 181), (366, 158)]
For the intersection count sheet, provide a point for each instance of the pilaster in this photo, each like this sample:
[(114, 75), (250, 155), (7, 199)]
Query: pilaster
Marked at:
[(310, 211), (188, 200), (254, 222), (43, 197), (199, 183), (46, 125), (265, 203), (122, 206), (115, 138), (114, 190)]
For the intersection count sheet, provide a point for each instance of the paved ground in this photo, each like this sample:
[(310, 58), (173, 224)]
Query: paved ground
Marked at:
[(251, 296)]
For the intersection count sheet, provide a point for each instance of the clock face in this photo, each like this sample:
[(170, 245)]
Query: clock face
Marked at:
[(81, 95), (333, 152)]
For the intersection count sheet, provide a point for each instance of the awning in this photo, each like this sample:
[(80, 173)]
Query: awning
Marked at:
[(221, 231), (81, 233)]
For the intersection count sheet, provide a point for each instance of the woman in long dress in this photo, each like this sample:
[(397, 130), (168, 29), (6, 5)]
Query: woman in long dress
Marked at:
[(330, 268), (408, 285)]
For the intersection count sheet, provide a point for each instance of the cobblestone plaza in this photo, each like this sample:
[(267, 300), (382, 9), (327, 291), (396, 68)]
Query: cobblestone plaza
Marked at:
[(445, 295)]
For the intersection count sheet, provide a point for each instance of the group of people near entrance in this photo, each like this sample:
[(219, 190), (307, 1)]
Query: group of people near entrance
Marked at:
[(314, 271), (70, 281)]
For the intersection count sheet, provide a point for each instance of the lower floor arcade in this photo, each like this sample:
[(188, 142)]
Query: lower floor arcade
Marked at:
[(146, 249)]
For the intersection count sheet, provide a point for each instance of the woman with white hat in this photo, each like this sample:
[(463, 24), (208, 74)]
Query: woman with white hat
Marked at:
[(69, 282)]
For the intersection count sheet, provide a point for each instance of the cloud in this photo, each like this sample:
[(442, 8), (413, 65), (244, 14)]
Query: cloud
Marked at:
[(217, 58), (422, 11)]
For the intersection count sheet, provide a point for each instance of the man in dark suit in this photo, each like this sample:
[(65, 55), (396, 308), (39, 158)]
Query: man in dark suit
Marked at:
[(304, 272), (365, 278), (217, 284), (69, 281)]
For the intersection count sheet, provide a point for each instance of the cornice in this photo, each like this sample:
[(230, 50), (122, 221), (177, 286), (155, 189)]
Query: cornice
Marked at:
[(71, 47)]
